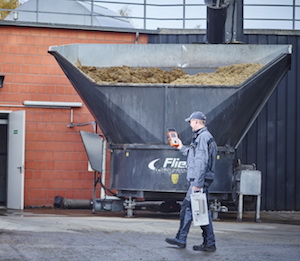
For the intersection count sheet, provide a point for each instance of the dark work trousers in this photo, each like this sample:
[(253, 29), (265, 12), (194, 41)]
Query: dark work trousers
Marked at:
[(186, 218)]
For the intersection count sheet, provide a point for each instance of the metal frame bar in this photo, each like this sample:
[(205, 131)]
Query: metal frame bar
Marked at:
[(184, 5)]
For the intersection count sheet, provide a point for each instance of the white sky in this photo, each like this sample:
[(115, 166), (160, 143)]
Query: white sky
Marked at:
[(164, 12)]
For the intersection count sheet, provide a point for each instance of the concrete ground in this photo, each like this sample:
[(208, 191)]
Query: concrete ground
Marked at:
[(57, 234)]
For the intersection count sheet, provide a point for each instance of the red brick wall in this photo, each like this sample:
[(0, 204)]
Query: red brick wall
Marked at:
[(55, 159)]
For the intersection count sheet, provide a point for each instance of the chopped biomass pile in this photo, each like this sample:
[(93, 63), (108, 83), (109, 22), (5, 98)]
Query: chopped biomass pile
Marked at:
[(226, 75), (126, 74)]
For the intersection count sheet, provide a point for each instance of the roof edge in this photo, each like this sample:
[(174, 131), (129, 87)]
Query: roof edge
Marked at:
[(161, 31), (77, 27)]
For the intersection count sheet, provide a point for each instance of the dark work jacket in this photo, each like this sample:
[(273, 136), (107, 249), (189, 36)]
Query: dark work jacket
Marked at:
[(201, 158)]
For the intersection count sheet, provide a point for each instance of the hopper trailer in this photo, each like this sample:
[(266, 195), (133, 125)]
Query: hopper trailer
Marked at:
[(134, 117)]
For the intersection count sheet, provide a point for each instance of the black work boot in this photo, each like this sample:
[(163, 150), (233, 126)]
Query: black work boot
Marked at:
[(176, 241), (203, 247)]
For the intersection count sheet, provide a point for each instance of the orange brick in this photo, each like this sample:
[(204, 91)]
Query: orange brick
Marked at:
[(58, 184), (87, 194), (54, 152), (70, 194)]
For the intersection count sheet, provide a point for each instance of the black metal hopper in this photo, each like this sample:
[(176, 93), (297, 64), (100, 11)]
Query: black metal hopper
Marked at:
[(136, 116), (140, 113)]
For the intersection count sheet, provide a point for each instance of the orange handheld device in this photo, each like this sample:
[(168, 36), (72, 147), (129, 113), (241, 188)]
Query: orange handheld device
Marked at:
[(173, 137)]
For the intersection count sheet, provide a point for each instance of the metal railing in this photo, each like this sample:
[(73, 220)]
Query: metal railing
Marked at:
[(184, 14)]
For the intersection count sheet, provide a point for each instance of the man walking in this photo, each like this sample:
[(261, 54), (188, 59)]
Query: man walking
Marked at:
[(201, 157)]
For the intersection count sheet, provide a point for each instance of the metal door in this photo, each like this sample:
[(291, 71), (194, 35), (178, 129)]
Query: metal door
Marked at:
[(16, 159)]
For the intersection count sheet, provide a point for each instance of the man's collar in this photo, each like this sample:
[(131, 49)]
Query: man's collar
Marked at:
[(198, 131)]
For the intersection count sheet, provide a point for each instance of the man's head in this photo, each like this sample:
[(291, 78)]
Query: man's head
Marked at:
[(197, 120)]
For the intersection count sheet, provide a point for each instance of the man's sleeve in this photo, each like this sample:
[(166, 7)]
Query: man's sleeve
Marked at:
[(184, 150)]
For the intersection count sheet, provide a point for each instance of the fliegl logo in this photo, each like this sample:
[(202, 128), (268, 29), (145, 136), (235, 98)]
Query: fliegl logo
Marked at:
[(168, 165)]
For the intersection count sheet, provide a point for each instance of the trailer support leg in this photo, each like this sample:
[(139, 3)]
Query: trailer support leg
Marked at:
[(240, 208), (257, 210), (129, 205), (257, 213)]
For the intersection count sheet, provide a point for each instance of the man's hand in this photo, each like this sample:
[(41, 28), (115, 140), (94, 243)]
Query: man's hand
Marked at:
[(196, 188), (180, 143)]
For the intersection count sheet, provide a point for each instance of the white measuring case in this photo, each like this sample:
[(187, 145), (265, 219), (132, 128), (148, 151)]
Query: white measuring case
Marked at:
[(199, 208)]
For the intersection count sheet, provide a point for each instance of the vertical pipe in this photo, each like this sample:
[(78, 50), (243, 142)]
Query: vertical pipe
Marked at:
[(294, 14), (37, 11), (92, 13), (145, 13), (234, 25), (71, 116), (183, 15), (239, 21)]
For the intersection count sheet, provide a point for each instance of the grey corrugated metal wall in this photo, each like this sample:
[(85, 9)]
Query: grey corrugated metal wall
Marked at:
[(273, 142)]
